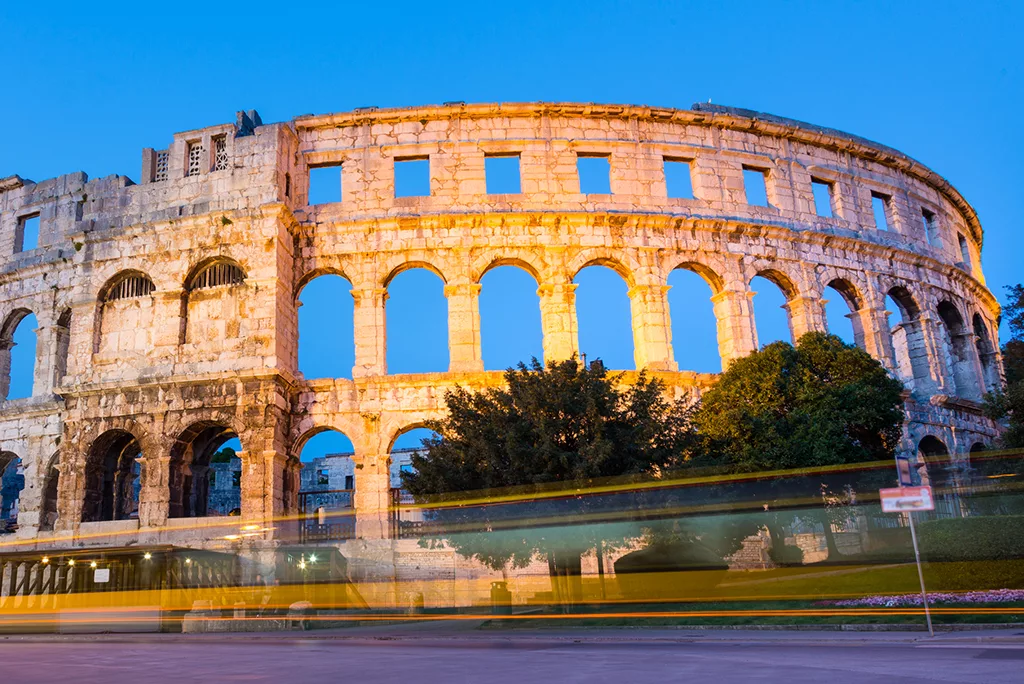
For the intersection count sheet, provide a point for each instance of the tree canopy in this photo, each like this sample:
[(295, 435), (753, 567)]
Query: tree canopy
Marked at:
[(823, 402), (1008, 403)]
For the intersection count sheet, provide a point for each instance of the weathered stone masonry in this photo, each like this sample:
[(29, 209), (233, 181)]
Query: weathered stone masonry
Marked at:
[(167, 310)]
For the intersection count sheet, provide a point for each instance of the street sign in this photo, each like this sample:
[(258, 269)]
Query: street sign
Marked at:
[(903, 499)]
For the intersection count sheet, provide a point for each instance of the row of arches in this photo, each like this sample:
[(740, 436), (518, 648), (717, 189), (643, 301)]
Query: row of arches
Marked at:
[(510, 325)]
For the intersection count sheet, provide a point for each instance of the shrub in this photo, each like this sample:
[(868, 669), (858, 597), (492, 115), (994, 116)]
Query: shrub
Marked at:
[(972, 539)]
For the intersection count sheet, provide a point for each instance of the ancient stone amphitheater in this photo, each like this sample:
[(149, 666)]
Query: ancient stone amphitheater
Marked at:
[(167, 309)]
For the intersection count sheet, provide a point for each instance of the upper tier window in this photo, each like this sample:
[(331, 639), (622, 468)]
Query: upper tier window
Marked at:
[(216, 275), (130, 287)]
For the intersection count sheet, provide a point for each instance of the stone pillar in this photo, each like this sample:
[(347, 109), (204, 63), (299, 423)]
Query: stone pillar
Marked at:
[(737, 336), (42, 373), (155, 491), (373, 496), (558, 320), (262, 486), (370, 332), (871, 332), (806, 314), (938, 379), (652, 328), (5, 367), (70, 488), (464, 328)]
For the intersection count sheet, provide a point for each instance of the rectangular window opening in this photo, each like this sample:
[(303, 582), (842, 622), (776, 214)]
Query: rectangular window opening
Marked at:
[(324, 184), (196, 152), (348, 482), (28, 233), (824, 197), (501, 173), (323, 477), (595, 172), (236, 478), (678, 178), (880, 207), (965, 252), (412, 177), (930, 226), (220, 153), (755, 185)]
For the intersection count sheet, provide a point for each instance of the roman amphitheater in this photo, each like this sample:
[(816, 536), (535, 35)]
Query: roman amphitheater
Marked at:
[(167, 310)]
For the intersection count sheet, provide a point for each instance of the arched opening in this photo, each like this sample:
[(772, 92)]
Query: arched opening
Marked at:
[(214, 312), (931, 447), (112, 474), (910, 355), (604, 317), (48, 505), (978, 447), (62, 347), (327, 486), (986, 354), (12, 481), (417, 323), (841, 306), (771, 314), (205, 472), (510, 325), (694, 325), (407, 443), (18, 355), (126, 315), (958, 351), (326, 328)]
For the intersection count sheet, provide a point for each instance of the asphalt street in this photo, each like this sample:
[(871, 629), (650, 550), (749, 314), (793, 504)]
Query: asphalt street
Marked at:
[(434, 653)]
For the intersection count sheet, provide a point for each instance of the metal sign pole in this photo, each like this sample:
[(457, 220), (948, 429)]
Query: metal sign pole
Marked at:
[(920, 575)]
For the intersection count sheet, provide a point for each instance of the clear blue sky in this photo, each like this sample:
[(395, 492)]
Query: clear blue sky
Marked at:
[(87, 87)]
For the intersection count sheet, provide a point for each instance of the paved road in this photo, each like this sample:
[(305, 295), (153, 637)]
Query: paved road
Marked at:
[(439, 654)]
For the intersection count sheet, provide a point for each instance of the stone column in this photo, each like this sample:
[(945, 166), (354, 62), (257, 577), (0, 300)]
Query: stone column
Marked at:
[(262, 486), (737, 336), (558, 320), (938, 379), (464, 328), (155, 492), (70, 488), (806, 314), (5, 367), (652, 328), (42, 374), (370, 332), (373, 496), (871, 332)]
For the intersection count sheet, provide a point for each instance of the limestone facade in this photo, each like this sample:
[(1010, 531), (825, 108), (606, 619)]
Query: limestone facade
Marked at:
[(167, 309)]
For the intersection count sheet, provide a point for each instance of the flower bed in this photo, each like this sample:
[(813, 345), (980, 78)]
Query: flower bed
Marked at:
[(994, 596)]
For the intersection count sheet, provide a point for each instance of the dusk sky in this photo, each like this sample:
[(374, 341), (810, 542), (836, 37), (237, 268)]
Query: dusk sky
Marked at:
[(939, 81)]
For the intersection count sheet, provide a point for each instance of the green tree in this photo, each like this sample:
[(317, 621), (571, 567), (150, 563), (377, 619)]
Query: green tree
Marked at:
[(820, 403), (568, 423), (1007, 403)]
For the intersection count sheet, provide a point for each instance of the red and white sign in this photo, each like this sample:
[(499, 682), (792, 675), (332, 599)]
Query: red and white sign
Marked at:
[(903, 499)]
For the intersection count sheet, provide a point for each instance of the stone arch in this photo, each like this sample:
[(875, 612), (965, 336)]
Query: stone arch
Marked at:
[(11, 325), (620, 263), (50, 488), (125, 314), (511, 327), (190, 467), (693, 320), (311, 275), (907, 339), (12, 483), (710, 276), (415, 339), (978, 447), (766, 320), (212, 299), (851, 298), (395, 433), (959, 351), (112, 465), (930, 446), (404, 266), (325, 325), (606, 325), (523, 259)]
